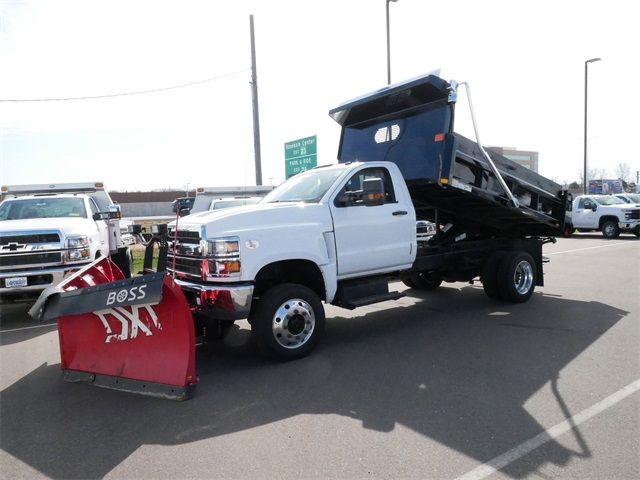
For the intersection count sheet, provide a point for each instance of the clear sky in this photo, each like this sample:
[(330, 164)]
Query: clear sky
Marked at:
[(524, 61)]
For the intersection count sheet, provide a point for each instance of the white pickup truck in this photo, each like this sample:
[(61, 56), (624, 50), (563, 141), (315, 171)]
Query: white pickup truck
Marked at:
[(605, 213), (48, 232)]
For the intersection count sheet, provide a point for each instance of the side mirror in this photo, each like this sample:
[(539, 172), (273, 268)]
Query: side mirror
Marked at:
[(183, 211), (106, 215), (372, 192), (594, 207)]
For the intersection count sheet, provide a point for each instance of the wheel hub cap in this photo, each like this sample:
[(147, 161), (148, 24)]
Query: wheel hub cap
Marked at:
[(293, 323), (523, 277)]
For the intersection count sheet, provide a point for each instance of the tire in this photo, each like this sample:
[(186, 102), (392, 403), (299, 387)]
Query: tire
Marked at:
[(610, 229), (516, 277), (408, 282), (424, 281), (489, 275), (124, 260), (287, 321), (636, 231)]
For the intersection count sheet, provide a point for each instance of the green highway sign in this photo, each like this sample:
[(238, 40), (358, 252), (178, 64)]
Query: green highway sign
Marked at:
[(300, 155)]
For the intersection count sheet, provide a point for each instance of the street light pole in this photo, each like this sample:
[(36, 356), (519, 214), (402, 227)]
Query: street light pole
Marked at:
[(388, 44), (585, 180)]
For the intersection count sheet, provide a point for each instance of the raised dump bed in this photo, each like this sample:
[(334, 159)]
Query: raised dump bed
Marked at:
[(450, 178)]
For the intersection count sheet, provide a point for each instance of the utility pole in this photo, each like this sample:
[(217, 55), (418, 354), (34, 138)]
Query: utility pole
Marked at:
[(254, 101), (586, 97)]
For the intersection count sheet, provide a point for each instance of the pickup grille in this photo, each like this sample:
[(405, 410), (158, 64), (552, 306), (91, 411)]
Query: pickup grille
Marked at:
[(23, 249), (188, 266), (632, 215), (188, 257), (22, 259), (29, 239), (185, 236)]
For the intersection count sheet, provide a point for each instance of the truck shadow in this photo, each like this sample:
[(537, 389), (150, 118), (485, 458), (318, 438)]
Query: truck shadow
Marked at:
[(16, 326), (452, 366)]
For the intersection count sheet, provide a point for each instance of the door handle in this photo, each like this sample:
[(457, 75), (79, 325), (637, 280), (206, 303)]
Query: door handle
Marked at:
[(399, 212)]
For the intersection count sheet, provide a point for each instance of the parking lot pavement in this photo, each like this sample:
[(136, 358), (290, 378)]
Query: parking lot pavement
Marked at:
[(444, 384)]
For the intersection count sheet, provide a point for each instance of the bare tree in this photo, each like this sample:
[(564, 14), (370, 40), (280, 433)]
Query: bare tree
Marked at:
[(594, 174), (623, 172)]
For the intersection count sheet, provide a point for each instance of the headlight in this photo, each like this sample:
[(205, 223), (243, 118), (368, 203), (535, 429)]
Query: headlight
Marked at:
[(223, 258), (78, 248), (223, 246)]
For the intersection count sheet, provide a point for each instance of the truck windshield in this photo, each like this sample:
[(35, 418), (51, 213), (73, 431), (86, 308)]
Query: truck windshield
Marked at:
[(633, 197), (307, 187), (23, 209), (608, 200)]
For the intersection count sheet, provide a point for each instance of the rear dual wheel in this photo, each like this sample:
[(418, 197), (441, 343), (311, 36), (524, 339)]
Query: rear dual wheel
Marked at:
[(509, 276)]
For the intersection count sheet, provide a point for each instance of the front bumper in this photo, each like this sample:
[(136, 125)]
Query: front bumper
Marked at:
[(628, 224), (223, 302), (37, 280)]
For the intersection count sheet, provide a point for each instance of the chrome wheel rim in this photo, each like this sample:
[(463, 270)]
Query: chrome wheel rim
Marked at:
[(609, 229), (293, 323), (523, 277)]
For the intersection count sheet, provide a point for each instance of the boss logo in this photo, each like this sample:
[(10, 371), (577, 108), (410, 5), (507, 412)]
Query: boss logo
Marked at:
[(127, 294)]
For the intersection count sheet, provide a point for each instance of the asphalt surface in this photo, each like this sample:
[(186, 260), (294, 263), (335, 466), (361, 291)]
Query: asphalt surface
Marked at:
[(444, 384)]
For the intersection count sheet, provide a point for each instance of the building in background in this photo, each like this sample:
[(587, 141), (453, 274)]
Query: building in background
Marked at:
[(522, 157)]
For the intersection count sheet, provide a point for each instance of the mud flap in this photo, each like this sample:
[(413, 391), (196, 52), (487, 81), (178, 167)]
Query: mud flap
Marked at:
[(135, 335)]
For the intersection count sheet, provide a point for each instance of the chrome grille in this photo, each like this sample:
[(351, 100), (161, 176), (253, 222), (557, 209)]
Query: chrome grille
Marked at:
[(28, 239), (22, 259), (37, 248), (188, 255), (632, 215), (184, 236)]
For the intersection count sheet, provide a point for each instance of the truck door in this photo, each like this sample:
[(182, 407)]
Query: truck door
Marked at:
[(371, 238), (584, 216)]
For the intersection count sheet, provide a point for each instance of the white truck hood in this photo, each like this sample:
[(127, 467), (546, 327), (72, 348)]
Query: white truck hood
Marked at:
[(252, 218), (70, 226), (270, 232)]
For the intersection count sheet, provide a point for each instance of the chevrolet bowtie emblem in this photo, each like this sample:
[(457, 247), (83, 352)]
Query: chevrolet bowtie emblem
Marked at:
[(12, 247)]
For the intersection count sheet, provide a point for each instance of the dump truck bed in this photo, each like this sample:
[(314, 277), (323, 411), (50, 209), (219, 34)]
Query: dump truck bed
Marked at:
[(411, 124)]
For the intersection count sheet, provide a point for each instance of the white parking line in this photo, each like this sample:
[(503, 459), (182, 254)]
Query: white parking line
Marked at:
[(521, 450), (591, 248), (27, 328)]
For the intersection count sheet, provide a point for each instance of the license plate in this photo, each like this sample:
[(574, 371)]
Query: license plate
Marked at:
[(15, 282)]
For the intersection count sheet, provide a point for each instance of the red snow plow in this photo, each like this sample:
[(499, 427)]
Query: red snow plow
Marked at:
[(134, 334)]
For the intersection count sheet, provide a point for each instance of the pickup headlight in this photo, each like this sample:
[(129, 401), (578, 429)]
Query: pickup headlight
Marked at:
[(78, 248), (223, 258)]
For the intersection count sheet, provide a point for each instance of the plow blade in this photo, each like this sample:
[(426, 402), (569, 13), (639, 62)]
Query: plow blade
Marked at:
[(133, 334)]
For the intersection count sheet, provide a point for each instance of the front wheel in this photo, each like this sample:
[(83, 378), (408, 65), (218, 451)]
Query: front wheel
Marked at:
[(287, 321), (516, 277), (610, 229)]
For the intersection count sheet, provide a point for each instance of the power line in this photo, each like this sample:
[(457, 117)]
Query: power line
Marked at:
[(124, 94)]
